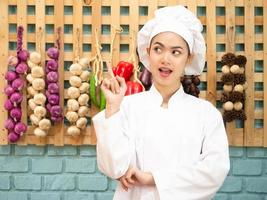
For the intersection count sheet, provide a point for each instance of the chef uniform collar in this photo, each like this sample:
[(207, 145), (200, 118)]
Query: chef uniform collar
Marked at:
[(155, 98)]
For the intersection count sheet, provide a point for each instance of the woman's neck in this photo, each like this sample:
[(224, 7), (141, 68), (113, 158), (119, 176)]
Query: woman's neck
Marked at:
[(166, 92)]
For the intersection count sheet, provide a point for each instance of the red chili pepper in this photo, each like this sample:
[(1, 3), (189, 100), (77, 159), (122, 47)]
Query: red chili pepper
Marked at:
[(133, 87), (123, 69)]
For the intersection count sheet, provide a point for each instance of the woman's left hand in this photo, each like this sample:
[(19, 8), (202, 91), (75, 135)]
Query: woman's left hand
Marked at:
[(136, 177)]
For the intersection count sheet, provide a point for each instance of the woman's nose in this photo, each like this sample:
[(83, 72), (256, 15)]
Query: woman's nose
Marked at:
[(165, 58)]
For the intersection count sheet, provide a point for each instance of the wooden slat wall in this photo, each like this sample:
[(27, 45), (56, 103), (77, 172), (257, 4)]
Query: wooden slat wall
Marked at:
[(249, 135)]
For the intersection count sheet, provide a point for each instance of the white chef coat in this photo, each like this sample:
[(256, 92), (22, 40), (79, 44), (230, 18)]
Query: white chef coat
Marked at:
[(184, 146)]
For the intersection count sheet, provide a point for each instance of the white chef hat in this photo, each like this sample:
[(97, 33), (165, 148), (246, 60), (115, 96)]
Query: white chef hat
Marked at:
[(181, 21)]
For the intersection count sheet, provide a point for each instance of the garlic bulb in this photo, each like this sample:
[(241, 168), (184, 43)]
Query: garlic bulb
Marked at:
[(39, 111), (84, 62), (73, 131), (34, 119), (227, 88), (29, 78), (238, 106), (31, 104), (73, 92), (234, 69), (85, 76), (225, 69), (39, 132), (35, 57), (228, 106), (39, 99), (37, 72), (75, 81), (81, 123), (83, 99), (45, 124), (73, 105), (31, 64), (31, 91), (38, 84), (84, 88), (76, 69), (239, 88), (83, 111), (72, 116)]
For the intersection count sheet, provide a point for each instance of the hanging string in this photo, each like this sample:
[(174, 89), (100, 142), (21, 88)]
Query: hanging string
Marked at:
[(57, 43), (115, 32), (39, 38), (77, 46)]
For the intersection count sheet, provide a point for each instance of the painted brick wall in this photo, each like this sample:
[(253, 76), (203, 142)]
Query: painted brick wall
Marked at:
[(70, 173)]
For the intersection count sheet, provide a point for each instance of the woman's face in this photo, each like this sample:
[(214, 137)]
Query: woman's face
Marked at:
[(168, 55)]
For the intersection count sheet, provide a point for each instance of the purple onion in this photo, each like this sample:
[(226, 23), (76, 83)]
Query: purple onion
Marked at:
[(8, 105), (9, 90), (53, 99), (16, 114), (53, 53), (18, 84), (12, 61), (22, 68), (56, 111), (9, 124), (53, 88), (52, 77), (10, 76), (23, 55), (56, 119), (20, 128), (52, 65), (16, 97), (13, 137)]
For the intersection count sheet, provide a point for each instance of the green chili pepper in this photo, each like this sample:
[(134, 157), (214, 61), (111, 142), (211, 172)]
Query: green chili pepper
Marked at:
[(102, 100), (92, 90)]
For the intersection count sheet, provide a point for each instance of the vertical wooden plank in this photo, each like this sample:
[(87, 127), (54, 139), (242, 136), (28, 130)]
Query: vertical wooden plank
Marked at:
[(153, 5), (134, 27), (59, 23), (249, 134), (265, 71), (22, 21), (233, 136), (192, 5), (78, 26), (96, 24), (115, 23), (172, 2), (3, 62), (211, 51)]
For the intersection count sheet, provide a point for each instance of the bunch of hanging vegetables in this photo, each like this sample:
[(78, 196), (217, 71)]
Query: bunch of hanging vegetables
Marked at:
[(14, 90), (96, 95), (78, 97)]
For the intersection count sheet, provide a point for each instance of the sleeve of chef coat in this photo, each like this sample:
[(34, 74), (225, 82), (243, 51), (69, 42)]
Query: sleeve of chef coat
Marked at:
[(115, 149), (202, 180)]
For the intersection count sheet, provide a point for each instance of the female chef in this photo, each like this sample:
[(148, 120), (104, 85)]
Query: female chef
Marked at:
[(163, 144)]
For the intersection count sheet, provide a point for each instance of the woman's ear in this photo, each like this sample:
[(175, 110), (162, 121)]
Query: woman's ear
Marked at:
[(147, 50)]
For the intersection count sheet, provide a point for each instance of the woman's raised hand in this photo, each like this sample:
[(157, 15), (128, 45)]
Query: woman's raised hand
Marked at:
[(114, 89)]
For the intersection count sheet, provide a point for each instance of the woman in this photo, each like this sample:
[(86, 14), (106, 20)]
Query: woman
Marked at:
[(163, 143)]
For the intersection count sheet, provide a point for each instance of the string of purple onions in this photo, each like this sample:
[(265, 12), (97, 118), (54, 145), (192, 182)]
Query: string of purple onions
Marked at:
[(52, 85), (15, 83)]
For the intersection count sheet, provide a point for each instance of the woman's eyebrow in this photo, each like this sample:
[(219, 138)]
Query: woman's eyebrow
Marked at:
[(173, 47)]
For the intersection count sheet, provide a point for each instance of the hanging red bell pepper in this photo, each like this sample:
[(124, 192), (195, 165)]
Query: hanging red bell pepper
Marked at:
[(123, 69)]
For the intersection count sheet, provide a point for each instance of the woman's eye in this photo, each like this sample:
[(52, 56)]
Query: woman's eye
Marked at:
[(176, 52), (157, 49)]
